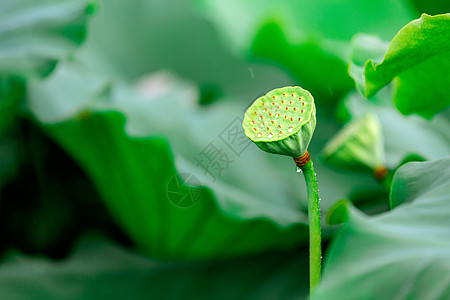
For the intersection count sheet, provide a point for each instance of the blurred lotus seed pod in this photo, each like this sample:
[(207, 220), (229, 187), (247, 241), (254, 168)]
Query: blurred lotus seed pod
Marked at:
[(282, 121), (358, 146)]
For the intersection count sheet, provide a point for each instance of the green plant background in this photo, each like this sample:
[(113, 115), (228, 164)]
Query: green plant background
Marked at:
[(104, 104)]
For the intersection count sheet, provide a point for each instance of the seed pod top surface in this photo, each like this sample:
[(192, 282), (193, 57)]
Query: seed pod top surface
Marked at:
[(282, 121)]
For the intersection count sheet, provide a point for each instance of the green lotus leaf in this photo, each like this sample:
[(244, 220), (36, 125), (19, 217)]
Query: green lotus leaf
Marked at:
[(418, 60), (311, 61), (119, 139), (307, 39), (410, 244), (98, 267), (320, 19), (202, 58), (131, 149)]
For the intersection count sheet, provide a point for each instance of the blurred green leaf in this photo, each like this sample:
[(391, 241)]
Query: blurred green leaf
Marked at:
[(133, 173), (35, 34), (308, 39), (313, 62), (405, 251), (419, 59), (158, 26), (336, 20), (130, 41), (255, 203), (50, 201), (133, 176), (100, 269)]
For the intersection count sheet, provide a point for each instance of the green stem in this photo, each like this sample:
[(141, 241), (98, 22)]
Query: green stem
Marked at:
[(315, 250)]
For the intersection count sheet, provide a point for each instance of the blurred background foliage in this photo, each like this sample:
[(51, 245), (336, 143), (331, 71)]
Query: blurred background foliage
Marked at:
[(104, 105)]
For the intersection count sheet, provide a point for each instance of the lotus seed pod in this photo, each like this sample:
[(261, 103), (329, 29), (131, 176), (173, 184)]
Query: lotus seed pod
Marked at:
[(358, 146), (282, 121)]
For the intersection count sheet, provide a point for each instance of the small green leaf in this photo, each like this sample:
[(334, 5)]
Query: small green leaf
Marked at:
[(404, 251), (418, 58), (338, 213)]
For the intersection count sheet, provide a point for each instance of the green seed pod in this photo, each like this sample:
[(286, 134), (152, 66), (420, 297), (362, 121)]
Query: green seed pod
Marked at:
[(358, 146), (282, 121)]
